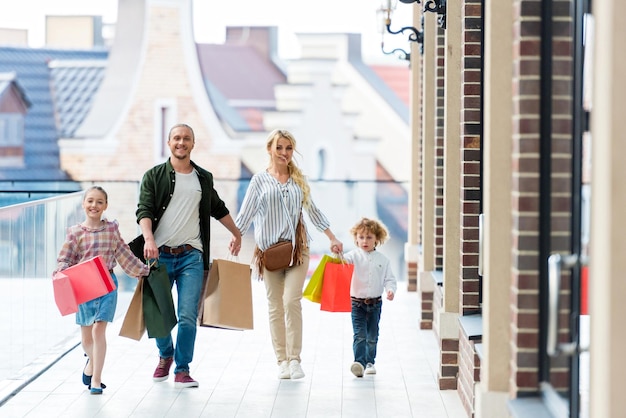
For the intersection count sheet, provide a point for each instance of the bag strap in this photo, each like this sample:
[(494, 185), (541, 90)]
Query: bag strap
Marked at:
[(293, 230)]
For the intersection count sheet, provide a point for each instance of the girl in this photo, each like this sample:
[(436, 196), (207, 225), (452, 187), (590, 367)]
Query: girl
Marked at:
[(372, 276), (97, 236)]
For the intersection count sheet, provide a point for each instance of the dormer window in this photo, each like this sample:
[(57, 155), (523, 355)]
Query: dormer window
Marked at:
[(13, 108), (11, 129)]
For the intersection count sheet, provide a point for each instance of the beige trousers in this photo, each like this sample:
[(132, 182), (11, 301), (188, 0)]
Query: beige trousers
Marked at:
[(284, 296)]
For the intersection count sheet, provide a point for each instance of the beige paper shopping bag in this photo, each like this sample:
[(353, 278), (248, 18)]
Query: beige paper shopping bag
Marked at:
[(228, 296), (134, 325)]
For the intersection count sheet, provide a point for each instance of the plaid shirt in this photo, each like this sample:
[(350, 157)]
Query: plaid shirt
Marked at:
[(82, 243)]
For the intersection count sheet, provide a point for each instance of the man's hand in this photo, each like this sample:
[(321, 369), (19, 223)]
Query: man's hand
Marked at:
[(150, 249)]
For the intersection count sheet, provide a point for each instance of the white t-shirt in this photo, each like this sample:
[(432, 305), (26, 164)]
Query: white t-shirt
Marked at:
[(180, 223)]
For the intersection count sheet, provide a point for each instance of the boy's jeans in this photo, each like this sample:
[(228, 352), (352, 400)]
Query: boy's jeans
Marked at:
[(365, 319), (186, 270)]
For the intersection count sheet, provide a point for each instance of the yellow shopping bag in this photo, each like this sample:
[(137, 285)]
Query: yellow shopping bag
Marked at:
[(313, 290)]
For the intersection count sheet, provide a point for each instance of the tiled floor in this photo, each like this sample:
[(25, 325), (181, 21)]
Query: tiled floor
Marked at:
[(237, 374)]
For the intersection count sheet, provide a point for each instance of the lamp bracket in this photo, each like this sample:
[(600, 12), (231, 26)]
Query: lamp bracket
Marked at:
[(414, 36), (434, 6), (399, 52), (439, 7)]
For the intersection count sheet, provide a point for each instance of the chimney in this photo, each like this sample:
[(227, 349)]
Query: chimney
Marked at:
[(263, 38)]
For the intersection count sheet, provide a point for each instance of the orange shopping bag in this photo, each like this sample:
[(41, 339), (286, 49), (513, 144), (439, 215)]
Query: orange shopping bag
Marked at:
[(87, 281), (336, 287)]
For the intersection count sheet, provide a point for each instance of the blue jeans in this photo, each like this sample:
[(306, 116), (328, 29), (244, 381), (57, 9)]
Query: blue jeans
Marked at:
[(365, 319), (186, 270)]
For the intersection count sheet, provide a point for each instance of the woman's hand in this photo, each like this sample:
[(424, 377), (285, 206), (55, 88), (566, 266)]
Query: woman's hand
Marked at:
[(336, 246), (235, 245)]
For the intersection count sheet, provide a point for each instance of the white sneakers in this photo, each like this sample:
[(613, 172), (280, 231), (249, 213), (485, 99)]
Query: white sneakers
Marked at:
[(290, 370), (357, 369), (283, 370), (295, 370)]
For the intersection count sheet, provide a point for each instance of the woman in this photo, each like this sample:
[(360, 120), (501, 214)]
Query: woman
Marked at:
[(274, 202)]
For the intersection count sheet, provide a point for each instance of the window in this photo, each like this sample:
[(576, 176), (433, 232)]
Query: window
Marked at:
[(11, 129), (321, 164), (164, 118)]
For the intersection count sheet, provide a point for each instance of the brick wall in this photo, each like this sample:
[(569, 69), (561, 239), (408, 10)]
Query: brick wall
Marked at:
[(411, 275), (526, 262), (129, 151), (468, 368), (439, 148), (426, 317), (471, 154), (469, 372), (448, 347)]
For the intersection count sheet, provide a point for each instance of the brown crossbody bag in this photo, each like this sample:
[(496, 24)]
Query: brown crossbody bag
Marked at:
[(283, 254)]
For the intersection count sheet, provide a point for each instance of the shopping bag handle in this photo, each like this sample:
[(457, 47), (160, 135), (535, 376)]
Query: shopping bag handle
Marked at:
[(152, 262), (231, 257)]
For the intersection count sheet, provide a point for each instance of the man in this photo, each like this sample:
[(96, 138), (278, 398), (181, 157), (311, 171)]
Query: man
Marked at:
[(176, 201)]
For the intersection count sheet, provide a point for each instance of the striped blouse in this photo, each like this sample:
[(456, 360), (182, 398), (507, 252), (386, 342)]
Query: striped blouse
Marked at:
[(83, 243), (267, 203)]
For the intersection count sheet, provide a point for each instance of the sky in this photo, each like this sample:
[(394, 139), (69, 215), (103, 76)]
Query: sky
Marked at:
[(212, 16)]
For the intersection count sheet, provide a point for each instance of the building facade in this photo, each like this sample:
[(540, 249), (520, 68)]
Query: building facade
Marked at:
[(512, 229)]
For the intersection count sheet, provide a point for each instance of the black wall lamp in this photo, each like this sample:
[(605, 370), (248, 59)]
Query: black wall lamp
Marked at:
[(415, 35), (434, 6), (387, 7)]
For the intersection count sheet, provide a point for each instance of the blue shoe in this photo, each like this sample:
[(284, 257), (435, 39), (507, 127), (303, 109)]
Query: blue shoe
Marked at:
[(86, 379), (95, 391)]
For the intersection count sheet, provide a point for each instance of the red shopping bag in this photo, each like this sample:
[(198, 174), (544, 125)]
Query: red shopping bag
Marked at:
[(336, 287), (87, 281)]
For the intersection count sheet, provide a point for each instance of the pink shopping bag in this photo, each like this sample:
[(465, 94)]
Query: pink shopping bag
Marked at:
[(64, 294), (87, 281)]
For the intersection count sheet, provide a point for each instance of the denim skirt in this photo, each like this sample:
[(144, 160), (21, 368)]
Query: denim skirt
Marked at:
[(100, 309)]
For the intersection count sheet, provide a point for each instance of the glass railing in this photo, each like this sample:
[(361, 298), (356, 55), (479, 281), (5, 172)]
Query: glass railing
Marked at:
[(32, 233), (30, 323)]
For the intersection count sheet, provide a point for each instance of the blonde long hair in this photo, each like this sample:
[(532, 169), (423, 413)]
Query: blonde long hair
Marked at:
[(294, 171)]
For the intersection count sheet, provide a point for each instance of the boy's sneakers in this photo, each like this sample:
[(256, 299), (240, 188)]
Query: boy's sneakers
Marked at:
[(370, 369), (183, 380), (357, 369), (283, 370), (295, 371), (163, 369)]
